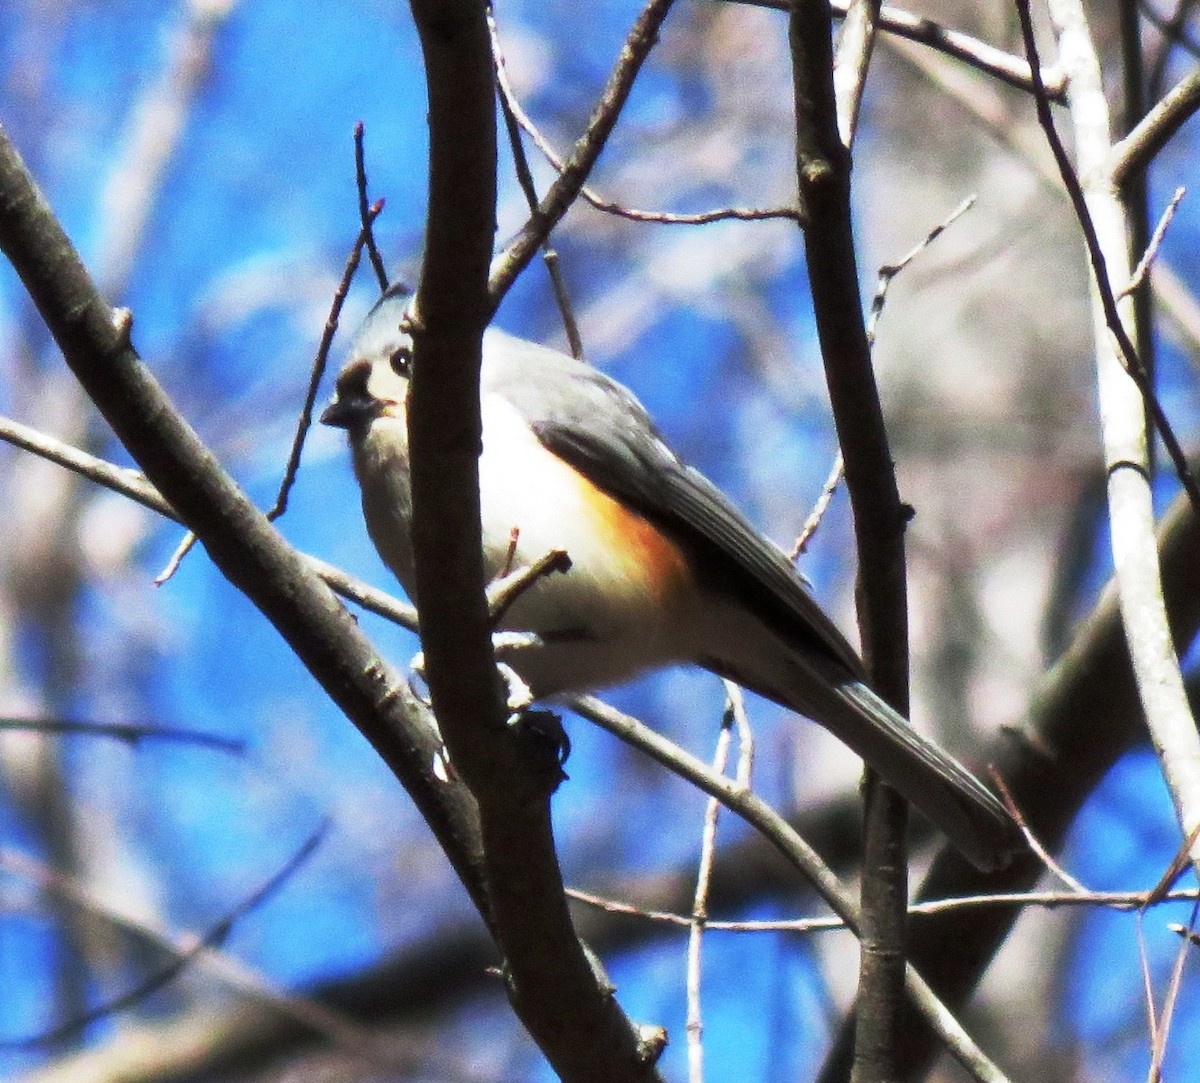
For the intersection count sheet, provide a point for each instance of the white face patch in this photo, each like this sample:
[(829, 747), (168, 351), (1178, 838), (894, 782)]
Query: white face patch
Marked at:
[(388, 386)]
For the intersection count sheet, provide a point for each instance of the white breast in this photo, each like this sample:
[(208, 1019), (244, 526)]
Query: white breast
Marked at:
[(619, 609), (524, 488)]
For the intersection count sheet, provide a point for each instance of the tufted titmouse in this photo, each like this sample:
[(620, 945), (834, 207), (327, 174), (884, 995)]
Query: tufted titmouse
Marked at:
[(664, 570)]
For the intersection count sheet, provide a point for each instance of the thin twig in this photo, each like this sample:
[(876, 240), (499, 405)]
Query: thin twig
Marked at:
[(638, 43), (184, 955), (318, 369), (1159, 1025), (1147, 983), (1179, 864), (515, 115), (1156, 238), (318, 366), (1011, 70), (633, 214), (820, 507), (504, 591), (708, 849), (736, 703), (135, 486), (889, 271), (1158, 1049), (508, 108), (365, 217), (1186, 931), (129, 733), (1035, 844), (1126, 352), (1119, 901), (184, 547)]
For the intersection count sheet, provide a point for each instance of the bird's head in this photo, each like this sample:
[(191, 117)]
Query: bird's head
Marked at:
[(374, 381)]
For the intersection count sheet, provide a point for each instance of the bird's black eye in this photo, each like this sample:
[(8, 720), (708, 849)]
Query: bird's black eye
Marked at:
[(401, 361)]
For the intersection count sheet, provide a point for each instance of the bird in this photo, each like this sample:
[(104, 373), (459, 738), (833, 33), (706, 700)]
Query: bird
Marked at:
[(663, 569)]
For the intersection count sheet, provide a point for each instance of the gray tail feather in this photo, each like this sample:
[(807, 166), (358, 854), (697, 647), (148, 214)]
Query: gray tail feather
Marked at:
[(945, 791)]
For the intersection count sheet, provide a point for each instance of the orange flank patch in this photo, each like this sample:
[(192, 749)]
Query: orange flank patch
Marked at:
[(662, 564)]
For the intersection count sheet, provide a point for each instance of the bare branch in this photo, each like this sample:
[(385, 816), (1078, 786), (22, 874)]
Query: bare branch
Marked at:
[(130, 733), (708, 850), (1091, 209), (237, 537), (184, 955), (1120, 901), (1137, 150), (512, 106), (640, 40), (365, 237), (823, 181), (856, 43), (813, 522), (135, 486), (1035, 844), (889, 270), (366, 213), (563, 1000), (1142, 270), (1011, 70), (503, 592), (1123, 403), (755, 811)]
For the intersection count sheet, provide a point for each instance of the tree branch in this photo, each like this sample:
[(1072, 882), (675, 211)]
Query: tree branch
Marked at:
[(823, 172), (1012, 70), (574, 174), (1125, 396), (242, 544), (564, 1002), (1051, 764), (1137, 150)]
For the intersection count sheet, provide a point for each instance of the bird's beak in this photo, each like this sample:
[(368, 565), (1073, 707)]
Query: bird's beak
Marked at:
[(339, 413), (350, 408)]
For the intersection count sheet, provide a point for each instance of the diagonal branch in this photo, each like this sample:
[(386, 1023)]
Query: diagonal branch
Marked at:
[(1124, 395), (240, 541), (1012, 70), (574, 173), (1099, 211), (1137, 150), (183, 957)]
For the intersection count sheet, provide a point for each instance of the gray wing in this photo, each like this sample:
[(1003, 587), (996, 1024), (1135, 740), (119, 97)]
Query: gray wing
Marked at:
[(600, 429)]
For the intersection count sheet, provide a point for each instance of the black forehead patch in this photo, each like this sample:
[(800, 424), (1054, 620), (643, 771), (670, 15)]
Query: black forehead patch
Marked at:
[(352, 382)]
